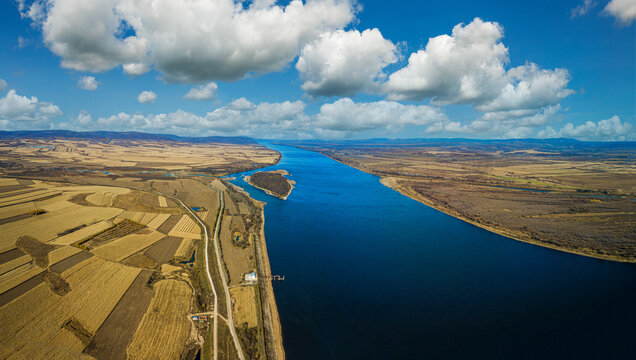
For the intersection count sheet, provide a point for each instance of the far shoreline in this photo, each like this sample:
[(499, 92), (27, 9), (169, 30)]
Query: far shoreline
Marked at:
[(392, 184)]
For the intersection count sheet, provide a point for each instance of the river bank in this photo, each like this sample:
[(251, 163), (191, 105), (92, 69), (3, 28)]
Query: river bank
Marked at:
[(392, 183), (486, 206)]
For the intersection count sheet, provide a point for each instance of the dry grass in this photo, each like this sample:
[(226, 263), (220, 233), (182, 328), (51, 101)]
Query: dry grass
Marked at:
[(164, 329), (244, 305)]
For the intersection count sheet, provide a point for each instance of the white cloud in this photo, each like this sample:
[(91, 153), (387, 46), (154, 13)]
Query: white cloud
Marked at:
[(623, 10), (529, 87), (272, 120), (14, 107), (604, 130), (188, 41), (583, 8), (87, 83), (147, 97), (3, 84), (345, 62), (348, 117), (202, 92), (241, 117), (464, 67)]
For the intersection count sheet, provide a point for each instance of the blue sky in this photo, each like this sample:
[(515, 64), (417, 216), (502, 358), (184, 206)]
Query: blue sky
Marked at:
[(322, 68)]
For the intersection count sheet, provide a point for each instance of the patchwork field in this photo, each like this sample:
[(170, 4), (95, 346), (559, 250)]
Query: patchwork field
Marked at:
[(99, 259), (65, 267)]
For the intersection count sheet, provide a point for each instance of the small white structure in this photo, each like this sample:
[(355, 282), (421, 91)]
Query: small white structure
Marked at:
[(250, 277)]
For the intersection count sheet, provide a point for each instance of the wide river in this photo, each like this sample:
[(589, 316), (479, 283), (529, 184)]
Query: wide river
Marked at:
[(372, 274)]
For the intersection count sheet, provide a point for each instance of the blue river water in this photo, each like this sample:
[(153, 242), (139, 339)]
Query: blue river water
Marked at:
[(372, 274)]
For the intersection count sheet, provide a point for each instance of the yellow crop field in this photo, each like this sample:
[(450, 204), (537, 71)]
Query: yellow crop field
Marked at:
[(165, 327), (46, 227), (185, 248), (82, 233), (34, 195), (8, 182), (162, 201), (10, 265), (17, 276), (62, 253), (186, 227), (96, 287), (123, 247), (101, 198), (157, 221)]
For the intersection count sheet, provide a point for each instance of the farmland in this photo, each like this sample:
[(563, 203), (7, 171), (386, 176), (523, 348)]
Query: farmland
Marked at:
[(102, 258)]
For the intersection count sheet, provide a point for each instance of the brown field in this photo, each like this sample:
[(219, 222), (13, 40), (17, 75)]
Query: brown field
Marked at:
[(165, 328), (571, 198)]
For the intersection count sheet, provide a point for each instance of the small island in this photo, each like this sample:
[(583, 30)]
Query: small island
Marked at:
[(272, 182)]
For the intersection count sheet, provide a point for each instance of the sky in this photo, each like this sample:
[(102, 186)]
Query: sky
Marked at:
[(322, 69)]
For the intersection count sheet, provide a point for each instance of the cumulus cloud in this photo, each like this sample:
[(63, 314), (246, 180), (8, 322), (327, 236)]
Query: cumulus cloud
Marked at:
[(202, 92), (147, 97), (529, 87), (468, 67), (3, 84), (623, 10), (347, 117), (14, 107), (188, 41), (609, 129), (87, 83), (286, 119), (241, 117), (583, 8), (464, 67), (345, 62)]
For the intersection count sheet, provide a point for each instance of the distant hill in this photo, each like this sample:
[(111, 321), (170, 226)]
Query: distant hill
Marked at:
[(114, 135), (558, 144)]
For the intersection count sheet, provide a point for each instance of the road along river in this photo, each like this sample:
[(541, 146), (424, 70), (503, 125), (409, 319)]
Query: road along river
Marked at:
[(372, 274)]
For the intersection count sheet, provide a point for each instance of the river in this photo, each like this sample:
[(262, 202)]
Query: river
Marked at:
[(372, 274)]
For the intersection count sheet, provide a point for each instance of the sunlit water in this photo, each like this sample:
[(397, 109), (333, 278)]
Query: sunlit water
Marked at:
[(372, 274)]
